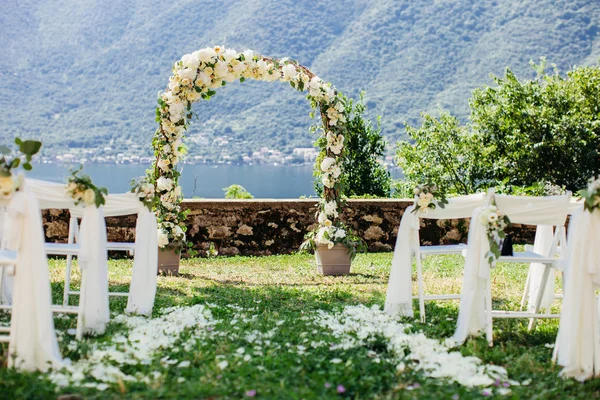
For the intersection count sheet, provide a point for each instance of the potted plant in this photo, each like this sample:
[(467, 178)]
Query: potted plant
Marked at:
[(335, 246)]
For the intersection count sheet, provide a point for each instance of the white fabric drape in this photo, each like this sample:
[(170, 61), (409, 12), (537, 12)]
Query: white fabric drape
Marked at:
[(93, 262), (471, 315), (92, 258), (520, 210), (399, 291), (145, 264), (32, 343), (542, 245), (142, 290), (578, 341)]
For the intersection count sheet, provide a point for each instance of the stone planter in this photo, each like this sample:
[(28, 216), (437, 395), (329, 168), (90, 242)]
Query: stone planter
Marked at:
[(168, 262), (334, 261)]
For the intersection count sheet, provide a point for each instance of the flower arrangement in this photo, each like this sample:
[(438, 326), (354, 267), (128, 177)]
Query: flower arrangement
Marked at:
[(195, 77), (10, 160), (144, 191), (495, 223), (591, 195), (330, 233), (428, 196), (81, 189)]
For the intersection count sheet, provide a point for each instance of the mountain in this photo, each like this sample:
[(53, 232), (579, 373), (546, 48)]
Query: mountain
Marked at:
[(84, 74)]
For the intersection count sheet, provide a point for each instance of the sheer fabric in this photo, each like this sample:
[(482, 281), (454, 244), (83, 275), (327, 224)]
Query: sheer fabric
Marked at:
[(32, 342), (578, 342), (399, 291)]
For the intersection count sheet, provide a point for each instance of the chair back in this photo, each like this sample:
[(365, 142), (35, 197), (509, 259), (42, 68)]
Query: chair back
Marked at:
[(527, 210)]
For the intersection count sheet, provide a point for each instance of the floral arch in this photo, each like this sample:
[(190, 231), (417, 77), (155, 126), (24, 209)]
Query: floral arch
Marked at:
[(195, 77)]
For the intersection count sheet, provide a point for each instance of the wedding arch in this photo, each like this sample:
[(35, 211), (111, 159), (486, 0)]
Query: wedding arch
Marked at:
[(196, 77)]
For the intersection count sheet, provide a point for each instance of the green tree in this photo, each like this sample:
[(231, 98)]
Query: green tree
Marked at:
[(237, 192), (541, 130), (442, 152), (362, 173)]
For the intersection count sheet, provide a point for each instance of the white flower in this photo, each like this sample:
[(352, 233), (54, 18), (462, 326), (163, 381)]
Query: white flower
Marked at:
[(178, 232), (327, 182), (206, 55), (289, 72), (188, 74), (204, 78), (229, 55), (423, 202), (327, 163), (177, 191), (164, 183), (223, 364), (190, 61), (335, 360), (163, 238), (327, 223), (89, 197), (7, 185), (163, 164), (336, 171), (248, 55), (330, 245), (322, 217), (340, 233), (331, 209), (493, 217)]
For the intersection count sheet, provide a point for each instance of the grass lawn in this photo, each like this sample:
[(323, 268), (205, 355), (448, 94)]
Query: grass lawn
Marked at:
[(271, 327)]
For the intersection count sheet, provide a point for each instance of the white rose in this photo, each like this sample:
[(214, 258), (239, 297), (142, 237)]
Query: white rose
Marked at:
[(417, 191), (289, 72), (190, 61), (429, 196), (187, 74), (7, 185), (206, 55), (177, 191), (331, 209), (239, 67), (322, 217), (221, 69), (229, 55), (72, 186), (248, 55), (336, 171), (163, 183), (163, 164), (327, 182), (340, 234), (423, 202), (327, 163), (337, 149), (178, 231), (163, 238), (89, 197)]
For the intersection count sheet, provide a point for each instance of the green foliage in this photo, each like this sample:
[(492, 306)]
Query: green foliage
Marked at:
[(237, 192), (546, 129), (538, 136), (362, 173), (27, 148), (443, 153)]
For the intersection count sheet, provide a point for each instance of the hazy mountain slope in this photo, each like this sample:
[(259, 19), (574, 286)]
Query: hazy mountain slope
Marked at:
[(80, 73)]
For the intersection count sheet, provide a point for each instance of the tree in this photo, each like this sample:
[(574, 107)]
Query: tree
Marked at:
[(442, 152), (362, 173), (542, 130)]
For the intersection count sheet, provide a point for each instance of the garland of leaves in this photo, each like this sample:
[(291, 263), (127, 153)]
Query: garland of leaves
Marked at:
[(195, 77)]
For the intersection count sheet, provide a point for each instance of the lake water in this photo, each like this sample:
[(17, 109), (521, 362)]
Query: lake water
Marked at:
[(206, 181)]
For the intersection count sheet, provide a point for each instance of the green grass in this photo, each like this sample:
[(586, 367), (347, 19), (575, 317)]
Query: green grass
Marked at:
[(279, 294)]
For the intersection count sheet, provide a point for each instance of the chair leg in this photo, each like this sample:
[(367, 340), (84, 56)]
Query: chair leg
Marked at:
[(67, 286), (540, 296), (526, 290), (420, 288), (488, 312)]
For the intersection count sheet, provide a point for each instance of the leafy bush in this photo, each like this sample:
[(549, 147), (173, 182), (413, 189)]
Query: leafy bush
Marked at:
[(442, 152), (237, 192), (546, 129), (524, 137), (362, 174)]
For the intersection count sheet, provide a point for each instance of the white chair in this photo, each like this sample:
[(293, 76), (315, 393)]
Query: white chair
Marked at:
[(551, 210), (32, 343), (399, 292)]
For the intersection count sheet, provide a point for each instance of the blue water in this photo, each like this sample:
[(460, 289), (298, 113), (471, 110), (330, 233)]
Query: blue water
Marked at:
[(205, 181)]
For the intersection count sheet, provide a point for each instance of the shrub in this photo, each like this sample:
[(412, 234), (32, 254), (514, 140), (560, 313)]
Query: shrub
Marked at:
[(237, 192)]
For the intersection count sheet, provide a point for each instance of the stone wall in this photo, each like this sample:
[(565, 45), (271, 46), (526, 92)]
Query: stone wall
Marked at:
[(265, 227)]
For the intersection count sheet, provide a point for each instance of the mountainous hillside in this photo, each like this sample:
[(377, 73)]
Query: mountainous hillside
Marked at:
[(84, 73)]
